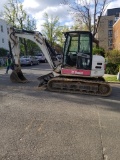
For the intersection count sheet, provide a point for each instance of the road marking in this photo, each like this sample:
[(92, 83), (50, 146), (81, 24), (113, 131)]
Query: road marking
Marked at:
[(29, 125), (41, 126)]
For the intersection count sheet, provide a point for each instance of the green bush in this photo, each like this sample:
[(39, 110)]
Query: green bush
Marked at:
[(112, 68), (98, 51), (3, 52), (113, 60), (113, 56)]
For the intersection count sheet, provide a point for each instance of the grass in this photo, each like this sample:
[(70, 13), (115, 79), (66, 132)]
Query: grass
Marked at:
[(111, 78)]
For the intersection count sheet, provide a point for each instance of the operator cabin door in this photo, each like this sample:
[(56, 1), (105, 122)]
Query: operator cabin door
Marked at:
[(78, 50), (84, 55)]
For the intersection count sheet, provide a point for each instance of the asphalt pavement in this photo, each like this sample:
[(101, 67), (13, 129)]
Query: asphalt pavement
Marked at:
[(36, 124)]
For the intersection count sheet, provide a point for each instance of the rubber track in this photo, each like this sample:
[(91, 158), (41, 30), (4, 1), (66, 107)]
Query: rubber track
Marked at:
[(61, 82)]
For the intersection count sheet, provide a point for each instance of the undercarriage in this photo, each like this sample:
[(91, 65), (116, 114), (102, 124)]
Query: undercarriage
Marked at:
[(83, 85), (91, 86), (78, 85)]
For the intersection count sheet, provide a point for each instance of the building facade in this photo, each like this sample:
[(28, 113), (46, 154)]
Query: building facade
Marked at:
[(105, 29), (105, 32), (116, 35), (114, 11), (3, 35)]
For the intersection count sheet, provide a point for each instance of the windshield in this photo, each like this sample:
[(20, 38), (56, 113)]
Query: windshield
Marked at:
[(74, 44), (78, 42), (84, 43)]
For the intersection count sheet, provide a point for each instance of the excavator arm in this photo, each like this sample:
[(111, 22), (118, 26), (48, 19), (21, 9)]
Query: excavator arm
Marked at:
[(36, 37)]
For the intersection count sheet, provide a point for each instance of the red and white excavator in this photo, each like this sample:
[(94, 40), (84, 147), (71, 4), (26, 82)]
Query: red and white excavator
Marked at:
[(80, 70)]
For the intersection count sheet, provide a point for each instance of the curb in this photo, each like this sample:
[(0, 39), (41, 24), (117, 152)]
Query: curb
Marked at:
[(113, 82)]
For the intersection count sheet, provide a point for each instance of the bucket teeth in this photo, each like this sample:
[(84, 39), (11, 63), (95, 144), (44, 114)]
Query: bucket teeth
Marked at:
[(44, 79), (18, 77)]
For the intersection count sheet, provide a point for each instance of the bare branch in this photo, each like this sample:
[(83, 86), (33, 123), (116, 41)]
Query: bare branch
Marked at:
[(88, 12)]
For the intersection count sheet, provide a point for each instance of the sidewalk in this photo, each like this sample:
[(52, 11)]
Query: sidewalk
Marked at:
[(111, 75)]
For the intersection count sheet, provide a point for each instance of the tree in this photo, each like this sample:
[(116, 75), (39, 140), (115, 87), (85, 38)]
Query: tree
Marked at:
[(10, 11), (89, 12), (60, 37), (52, 29), (3, 52), (98, 51), (30, 24), (113, 56), (16, 16)]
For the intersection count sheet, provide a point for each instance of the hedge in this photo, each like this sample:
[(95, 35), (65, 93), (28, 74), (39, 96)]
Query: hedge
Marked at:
[(112, 68)]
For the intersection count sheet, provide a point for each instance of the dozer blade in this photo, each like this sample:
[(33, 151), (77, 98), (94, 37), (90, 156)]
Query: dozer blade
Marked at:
[(44, 79), (17, 76)]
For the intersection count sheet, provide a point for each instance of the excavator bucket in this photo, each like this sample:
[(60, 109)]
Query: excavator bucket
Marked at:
[(17, 76), (44, 79)]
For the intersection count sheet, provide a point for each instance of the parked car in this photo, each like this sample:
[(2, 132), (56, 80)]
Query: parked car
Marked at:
[(59, 57), (28, 60), (41, 57)]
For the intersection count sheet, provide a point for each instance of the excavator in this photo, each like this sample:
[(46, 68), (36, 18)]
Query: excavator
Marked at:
[(79, 72)]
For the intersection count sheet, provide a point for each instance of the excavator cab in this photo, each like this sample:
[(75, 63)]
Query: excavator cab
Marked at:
[(78, 50), (77, 59)]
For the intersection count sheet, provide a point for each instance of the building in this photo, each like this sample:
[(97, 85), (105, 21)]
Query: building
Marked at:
[(114, 11), (3, 35), (116, 35), (105, 32), (105, 29)]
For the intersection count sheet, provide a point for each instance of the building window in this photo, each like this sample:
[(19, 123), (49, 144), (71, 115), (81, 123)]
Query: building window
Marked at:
[(110, 42), (2, 40), (110, 33), (1, 28), (116, 18), (110, 23)]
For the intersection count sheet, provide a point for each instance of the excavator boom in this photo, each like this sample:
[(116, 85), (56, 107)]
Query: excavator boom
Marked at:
[(34, 36), (15, 34)]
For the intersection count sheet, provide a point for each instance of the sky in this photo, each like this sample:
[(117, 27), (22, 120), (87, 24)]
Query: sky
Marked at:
[(37, 8)]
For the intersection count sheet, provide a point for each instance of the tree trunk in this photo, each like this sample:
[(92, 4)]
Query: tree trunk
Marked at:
[(96, 41)]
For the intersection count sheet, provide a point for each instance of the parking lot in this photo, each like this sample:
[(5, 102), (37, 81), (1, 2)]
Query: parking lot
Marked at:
[(36, 124)]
